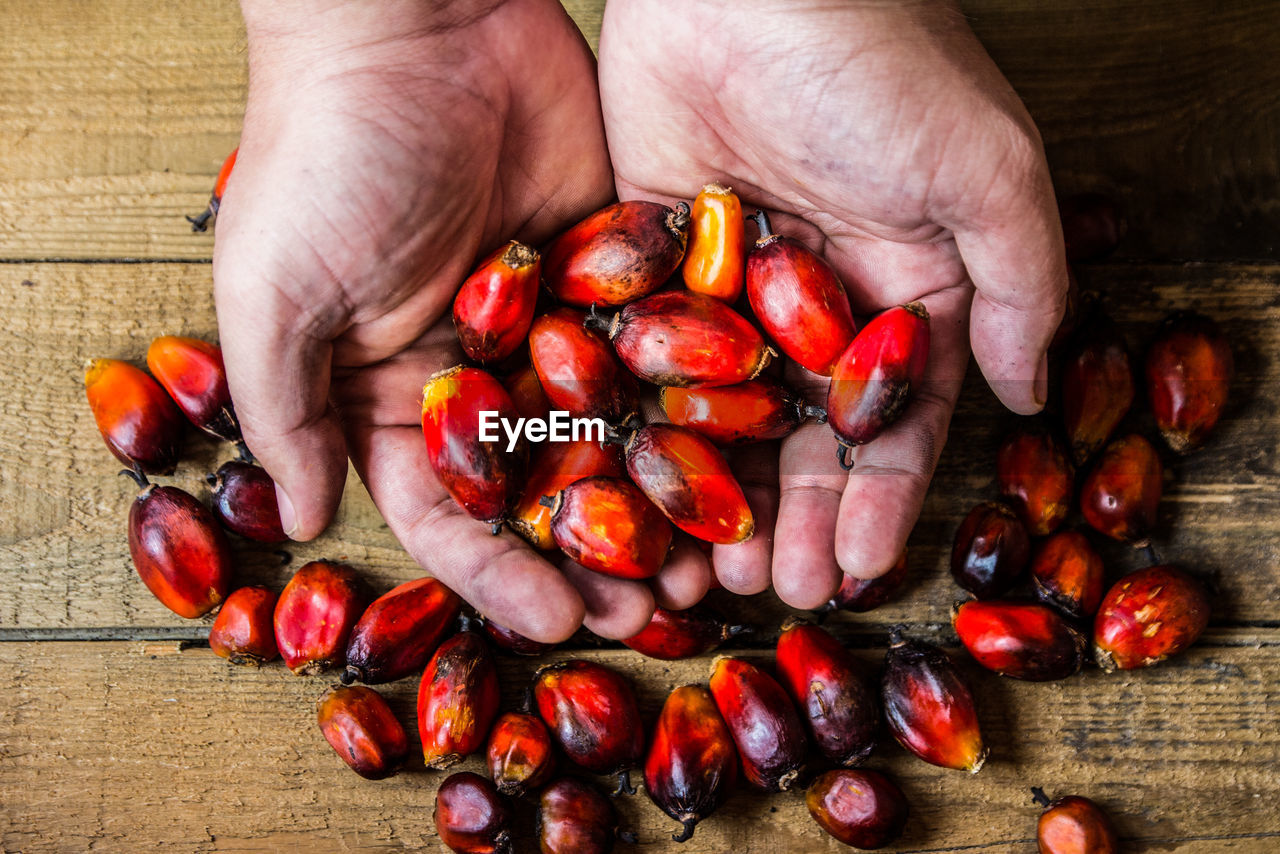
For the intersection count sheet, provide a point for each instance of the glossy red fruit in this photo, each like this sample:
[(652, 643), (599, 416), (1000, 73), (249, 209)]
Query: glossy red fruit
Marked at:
[(527, 394), (765, 728), (575, 818), (692, 764), (1148, 616), (929, 706), (471, 817), (874, 379), (178, 549), (1097, 385), (592, 712), (753, 411), (136, 418), (1022, 640), (243, 632), (1076, 825), (514, 642), (578, 368), (201, 221), (860, 595), (679, 338), (555, 466), (991, 550), (673, 635), (690, 482), (457, 700), (494, 305), (364, 731), (1092, 225), (315, 614), (399, 631), (864, 809), (717, 245), (1036, 476), (192, 372), (831, 690), (799, 300), (1189, 370), (1068, 574), (618, 254), (606, 524), (244, 499), (484, 478), (1121, 493), (521, 757)]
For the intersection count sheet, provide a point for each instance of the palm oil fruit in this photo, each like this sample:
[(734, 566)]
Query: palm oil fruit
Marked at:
[(527, 393), (178, 549), (574, 817), (139, 422), (1068, 574), (457, 700), (690, 482), (835, 698), (192, 372), (201, 221), (1075, 825), (521, 757), (679, 338), (363, 730), (592, 712), (1189, 369), (1121, 493), (990, 551), (1036, 476), (243, 632), (399, 631), (675, 635), (484, 478), (1097, 385), (862, 808), (1148, 616), (757, 410), (874, 378), (765, 727), (315, 614), (578, 369), (556, 465), (618, 254), (471, 817), (1022, 640), (514, 642), (713, 264), (929, 706), (494, 305), (798, 299), (607, 525), (862, 594), (692, 764), (1092, 225), (244, 499)]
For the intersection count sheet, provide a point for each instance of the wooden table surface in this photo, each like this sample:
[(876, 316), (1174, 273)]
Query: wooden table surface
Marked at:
[(120, 731)]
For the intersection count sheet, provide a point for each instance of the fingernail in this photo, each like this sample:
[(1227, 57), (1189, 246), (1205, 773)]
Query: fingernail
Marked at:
[(1041, 390), (288, 516)]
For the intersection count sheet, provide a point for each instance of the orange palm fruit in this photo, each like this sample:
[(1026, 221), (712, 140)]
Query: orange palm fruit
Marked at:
[(555, 466), (578, 369), (753, 411), (521, 757), (692, 764), (243, 631), (714, 262), (1075, 825), (457, 700), (1189, 370), (362, 729), (1148, 616), (201, 221), (592, 712), (514, 642), (1036, 476), (527, 394), (399, 631), (471, 817), (1068, 574), (137, 419), (864, 809), (929, 706), (765, 728), (315, 614), (1022, 640), (244, 499), (606, 524), (1121, 493), (192, 372), (673, 635), (1097, 384), (860, 594), (494, 305), (575, 818), (990, 551)]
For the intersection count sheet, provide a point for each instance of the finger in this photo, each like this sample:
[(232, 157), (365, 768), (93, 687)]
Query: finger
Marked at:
[(615, 608), (810, 482), (684, 578), (744, 568)]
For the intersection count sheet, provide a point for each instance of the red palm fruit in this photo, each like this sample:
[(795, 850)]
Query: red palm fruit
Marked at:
[(864, 809), (1121, 493), (618, 254), (1022, 640), (471, 817), (494, 305), (201, 221), (521, 757), (1068, 574), (673, 635), (1189, 369), (578, 369), (178, 549), (555, 466), (1148, 616), (606, 524), (679, 338), (860, 594), (192, 372), (831, 691), (137, 420), (399, 631), (1075, 825), (874, 379), (799, 300), (929, 707), (717, 245), (692, 763), (1036, 476), (575, 818), (763, 722), (457, 700), (1097, 385), (315, 614), (1092, 225), (364, 731), (690, 482), (243, 631), (990, 551), (244, 499), (753, 411), (514, 642), (482, 476), (527, 394), (592, 712)]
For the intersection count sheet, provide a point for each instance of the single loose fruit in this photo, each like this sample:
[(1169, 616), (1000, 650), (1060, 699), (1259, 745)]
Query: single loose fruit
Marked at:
[(1036, 476), (592, 712), (763, 722), (1092, 225), (471, 817), (192, 372), (1097, 385), (990, 551), (457, 700), (315, 614), (527, 393), (673, 635), (513, 641), (929, 707), (692, 763), (1020, 639), (137, 419), (244, 498), (494, 305), (834, 696), (713, 264), (579, 370), (1068, 574), (1076, 825), (862, 594), (757, 410), (363, 730), (1189, 370), (1121, 493), (556, 465), (520, 754), (201, 221), (1148, 616), (399, 631), (243, 631), (607, 524), (864, 809), (575, 818)]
